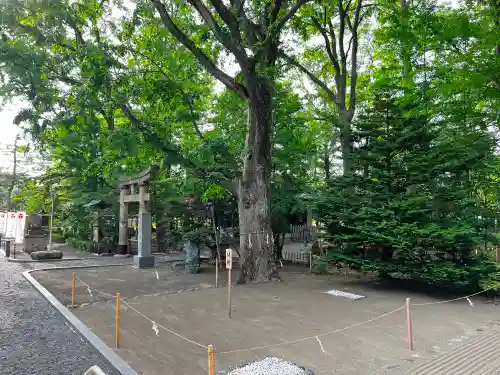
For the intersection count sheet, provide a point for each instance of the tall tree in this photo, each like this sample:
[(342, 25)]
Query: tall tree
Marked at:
[(339, 24), (250, 32)]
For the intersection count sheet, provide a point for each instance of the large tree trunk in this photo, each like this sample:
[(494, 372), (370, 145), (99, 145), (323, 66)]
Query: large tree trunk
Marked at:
[(254, 204), (346, 141)]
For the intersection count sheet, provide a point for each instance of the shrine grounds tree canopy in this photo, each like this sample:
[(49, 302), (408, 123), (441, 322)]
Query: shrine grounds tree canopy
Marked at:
[(384, 113)]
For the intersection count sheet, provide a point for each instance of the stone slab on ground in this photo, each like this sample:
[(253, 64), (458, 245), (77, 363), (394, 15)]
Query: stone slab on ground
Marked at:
[(272, 318), (46, 255)]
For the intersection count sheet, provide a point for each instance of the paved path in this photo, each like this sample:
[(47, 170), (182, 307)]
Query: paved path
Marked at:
[(34, 338), (479, 357)]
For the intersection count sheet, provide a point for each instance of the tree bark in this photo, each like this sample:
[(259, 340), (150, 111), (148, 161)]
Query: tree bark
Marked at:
[(346, 142), (254, 203)]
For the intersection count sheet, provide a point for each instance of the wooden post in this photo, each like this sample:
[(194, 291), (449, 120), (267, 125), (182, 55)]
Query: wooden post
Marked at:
[(216, 272), (211, 364), (73, 290), (310, 261), (117, 336), (408, 319), (229, 266), (229, 292), (498, 254)]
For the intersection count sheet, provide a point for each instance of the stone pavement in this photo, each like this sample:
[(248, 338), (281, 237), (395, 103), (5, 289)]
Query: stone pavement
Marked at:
[(34, 338), (481, 356)]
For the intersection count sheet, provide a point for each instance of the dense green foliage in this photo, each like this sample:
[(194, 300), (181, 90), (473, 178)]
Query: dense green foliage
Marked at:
[(384, 121)]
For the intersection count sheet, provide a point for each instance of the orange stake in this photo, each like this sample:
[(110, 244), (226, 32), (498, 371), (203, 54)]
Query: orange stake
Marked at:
[(408, 319), (211, 364), (117, 320), (73, 290)]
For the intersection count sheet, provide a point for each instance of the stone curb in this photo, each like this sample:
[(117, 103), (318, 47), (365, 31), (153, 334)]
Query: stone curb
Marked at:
[(114, 359)]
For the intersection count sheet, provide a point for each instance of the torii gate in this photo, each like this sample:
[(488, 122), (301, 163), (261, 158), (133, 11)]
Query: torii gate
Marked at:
[(128, 194)]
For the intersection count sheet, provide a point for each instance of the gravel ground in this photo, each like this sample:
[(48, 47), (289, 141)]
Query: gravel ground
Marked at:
[(270, 366), (34, 338)]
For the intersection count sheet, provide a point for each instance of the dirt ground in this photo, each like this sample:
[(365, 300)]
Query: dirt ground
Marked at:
[(268, 315)]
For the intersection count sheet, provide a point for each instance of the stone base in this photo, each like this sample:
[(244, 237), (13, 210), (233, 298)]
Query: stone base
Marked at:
[(121, 255), (144, 261), (122, 249)]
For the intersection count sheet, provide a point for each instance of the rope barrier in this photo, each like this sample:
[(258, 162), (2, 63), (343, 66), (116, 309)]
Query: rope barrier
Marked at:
[(315, 336), (452, 300), (141, 314), (166, 329), (97, 290)]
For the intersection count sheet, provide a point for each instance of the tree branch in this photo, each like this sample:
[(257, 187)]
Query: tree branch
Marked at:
[(34, 30), (342, 20), (172, 149), (311, 75), (73, 25), (203, 59), (228, 18), (275, 11), (220, 34), (354, 58), (331, 53), (161, 145), (281, 22)]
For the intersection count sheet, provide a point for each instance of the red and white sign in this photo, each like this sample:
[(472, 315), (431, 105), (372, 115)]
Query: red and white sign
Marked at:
[(12, 225), (20, 224), (3, 223)]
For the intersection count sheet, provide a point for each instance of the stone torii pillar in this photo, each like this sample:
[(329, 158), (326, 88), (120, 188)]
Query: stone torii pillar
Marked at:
[(122, 225), (144, 259)]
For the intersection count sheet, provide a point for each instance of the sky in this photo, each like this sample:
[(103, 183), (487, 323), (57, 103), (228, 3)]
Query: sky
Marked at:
[(8, 130)]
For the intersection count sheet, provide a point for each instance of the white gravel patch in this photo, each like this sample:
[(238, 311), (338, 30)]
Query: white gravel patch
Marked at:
[(269, 366), (339, 293)]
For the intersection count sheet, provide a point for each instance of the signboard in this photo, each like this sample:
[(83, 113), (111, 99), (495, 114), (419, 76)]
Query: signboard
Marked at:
[(20, 223), (229, 259), (11, 225), (3, 223)]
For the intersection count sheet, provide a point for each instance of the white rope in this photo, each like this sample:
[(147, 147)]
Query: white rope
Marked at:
[(316, 337), (155, 329), (453, 300), (89, 289), (159, 325), (155, 325), (320, 345)]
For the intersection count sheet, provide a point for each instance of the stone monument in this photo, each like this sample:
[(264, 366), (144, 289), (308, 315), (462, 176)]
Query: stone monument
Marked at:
[(128, 194), (36, 238)]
